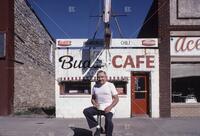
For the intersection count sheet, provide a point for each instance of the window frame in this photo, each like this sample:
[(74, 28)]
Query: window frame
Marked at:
[(115, 82), (64, 84)]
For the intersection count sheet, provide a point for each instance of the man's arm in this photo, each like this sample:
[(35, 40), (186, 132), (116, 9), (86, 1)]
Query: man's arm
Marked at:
[(93, 101), (114, 102)]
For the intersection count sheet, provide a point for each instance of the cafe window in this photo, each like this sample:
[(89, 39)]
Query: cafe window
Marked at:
[(121, 87), (186, 90), (75, 88), (2, 44)]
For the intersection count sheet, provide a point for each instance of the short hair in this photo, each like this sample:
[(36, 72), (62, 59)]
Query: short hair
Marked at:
[(101, 71)]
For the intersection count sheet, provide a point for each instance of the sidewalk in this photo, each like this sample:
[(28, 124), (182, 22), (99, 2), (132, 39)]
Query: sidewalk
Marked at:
[(40, 126)]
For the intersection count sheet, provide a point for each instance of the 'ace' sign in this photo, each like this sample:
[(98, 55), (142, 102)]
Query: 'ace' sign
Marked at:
[(185, 46)]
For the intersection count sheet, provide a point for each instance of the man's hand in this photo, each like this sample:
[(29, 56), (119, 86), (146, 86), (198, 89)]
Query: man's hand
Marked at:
[(93, 100), (114, 102), (96, 105), (108, 109)]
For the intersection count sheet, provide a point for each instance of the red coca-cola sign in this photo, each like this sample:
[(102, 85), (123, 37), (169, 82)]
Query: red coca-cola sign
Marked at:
[(185, 46), (148, 42), (64, 43)]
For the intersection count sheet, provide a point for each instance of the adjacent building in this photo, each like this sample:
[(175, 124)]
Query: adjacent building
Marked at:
[(26, 59), (6, 56), (185, 57)]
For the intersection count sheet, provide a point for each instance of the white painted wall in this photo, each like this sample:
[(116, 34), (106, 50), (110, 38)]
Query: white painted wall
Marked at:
[(68, 106)]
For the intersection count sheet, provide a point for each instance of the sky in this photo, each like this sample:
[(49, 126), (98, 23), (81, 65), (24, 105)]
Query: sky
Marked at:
[(73, 18)]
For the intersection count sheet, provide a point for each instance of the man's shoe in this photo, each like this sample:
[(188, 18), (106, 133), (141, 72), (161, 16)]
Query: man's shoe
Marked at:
[(98, 132)]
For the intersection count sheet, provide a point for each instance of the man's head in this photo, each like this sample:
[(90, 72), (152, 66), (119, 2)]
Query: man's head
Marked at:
[(101, 77)]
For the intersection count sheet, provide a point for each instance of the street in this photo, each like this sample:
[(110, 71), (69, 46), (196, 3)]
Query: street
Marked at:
[(137, 126)]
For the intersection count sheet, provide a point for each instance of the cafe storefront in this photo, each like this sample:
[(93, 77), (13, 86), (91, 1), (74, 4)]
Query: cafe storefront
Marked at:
[(131, 64), (185, 75)]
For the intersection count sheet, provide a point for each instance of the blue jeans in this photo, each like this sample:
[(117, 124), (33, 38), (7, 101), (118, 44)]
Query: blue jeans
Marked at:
[(89, 114)]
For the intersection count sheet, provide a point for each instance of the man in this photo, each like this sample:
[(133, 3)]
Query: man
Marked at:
[(104, 98)]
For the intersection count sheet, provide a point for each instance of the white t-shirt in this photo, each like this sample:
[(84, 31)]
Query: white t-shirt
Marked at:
[(104, 95)]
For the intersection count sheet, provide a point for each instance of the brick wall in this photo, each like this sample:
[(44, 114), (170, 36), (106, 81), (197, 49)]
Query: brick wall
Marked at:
[(6, 62), (164, 53), (34, 71), (157, 26)]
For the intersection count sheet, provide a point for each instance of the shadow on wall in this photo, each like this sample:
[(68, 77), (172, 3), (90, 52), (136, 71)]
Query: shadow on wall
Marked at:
[(81, 132), (90, 57), (150, 24)]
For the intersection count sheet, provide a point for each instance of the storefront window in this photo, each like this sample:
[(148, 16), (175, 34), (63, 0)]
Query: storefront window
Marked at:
[(121, 87), (186, 90), (2, 44), (75, 87)]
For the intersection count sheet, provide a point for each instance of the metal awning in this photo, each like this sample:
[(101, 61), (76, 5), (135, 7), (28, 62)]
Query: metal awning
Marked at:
[(185, 70)]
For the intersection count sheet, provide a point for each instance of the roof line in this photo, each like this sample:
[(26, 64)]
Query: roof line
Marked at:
[(29, 5)]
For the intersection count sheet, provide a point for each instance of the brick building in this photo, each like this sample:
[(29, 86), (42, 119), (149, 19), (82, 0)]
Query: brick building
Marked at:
[(176, 23), (156, 25), (185, 57), (6, 56), (26, 61)]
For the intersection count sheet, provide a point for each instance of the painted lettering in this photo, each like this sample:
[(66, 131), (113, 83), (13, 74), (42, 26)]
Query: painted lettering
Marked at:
[(179, 46), (125, 42), (139, 61), (66, 61), (129, 62), (77, 64), (114, 61), (86, 64), (133, 62), (150, 61), (190, 45), (186, 44), (198, 44), (69, 62)]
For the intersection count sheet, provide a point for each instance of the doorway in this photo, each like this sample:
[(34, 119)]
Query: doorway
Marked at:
[(139, 93)]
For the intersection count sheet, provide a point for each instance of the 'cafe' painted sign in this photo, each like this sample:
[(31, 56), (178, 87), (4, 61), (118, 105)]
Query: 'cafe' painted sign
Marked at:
[(118, 61)]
